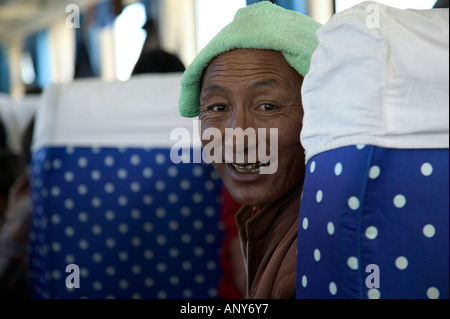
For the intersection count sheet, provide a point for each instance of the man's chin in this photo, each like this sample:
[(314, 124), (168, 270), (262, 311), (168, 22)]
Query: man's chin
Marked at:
[(247, 197)]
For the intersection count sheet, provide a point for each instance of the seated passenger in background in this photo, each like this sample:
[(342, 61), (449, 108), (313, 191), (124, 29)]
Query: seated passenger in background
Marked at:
[(9, 169), (14, 231), (153, 58), (157, 61), (249, 77), (3, 136)]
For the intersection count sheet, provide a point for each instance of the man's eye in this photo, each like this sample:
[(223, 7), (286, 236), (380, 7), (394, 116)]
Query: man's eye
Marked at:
[(266, 107), (218, 108)]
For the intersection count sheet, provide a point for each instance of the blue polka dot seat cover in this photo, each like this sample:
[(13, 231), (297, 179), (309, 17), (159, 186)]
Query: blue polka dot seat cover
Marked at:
[(374, 214), (114, 216), (374, 224)]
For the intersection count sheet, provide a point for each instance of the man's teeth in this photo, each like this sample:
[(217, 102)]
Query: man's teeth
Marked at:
[(250, 168)]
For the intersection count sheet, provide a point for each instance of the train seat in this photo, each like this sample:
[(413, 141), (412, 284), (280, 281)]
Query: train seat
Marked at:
[(114, 213), (374, 215)]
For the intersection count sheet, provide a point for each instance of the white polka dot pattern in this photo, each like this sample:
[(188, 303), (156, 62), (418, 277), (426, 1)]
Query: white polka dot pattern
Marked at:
[(364, 205), (137, 225)]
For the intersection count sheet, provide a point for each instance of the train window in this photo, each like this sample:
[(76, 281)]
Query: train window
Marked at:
[(401, 4), (27, 68), (129, 38), (212, 16)]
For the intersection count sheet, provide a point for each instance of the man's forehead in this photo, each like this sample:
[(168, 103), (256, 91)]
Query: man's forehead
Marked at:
[(254, 68), (263, 83), (252, 54)]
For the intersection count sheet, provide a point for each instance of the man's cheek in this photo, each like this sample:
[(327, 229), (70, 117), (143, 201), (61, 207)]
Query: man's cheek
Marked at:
[(212, 145)]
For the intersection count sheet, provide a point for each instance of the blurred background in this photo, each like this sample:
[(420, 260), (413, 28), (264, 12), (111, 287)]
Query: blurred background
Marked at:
[(56, 41)]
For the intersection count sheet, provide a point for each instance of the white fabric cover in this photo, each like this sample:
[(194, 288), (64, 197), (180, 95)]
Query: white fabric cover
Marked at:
[(140, 112), (379, 76)]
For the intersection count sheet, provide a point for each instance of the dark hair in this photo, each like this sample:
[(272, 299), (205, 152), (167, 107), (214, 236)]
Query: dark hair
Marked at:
[(9, 171), (440, 4), (158, 61), (10, 164), (27, 138), (3, 136)]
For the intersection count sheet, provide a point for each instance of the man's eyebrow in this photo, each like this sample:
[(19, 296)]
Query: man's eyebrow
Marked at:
[(211, 88), (265, 83)]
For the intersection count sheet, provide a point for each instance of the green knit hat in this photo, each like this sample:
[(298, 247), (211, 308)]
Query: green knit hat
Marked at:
[(263, 25)]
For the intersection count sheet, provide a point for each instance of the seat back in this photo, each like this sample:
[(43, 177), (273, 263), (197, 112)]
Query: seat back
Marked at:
[(115, 216), (374, 215)]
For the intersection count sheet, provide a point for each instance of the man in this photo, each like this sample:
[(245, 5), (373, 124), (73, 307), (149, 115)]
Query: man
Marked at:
[(249, 77)]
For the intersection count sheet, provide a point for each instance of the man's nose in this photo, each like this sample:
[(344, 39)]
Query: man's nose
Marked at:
[(244, 135), (240, 118)]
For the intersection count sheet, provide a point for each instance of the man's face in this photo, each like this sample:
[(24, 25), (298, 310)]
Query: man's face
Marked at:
[(249, 88)]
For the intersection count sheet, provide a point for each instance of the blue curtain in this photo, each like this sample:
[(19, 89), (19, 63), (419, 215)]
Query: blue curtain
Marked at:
[(87, 41), (85, 64), (295, 5), (250, 2), (104, 15), (4, 71), (43, 65), (146, 4)]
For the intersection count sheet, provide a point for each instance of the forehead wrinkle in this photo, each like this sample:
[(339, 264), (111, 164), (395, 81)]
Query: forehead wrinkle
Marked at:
[(211, 88), (238, 65), (252, 72), (230, 70), (253, 80)]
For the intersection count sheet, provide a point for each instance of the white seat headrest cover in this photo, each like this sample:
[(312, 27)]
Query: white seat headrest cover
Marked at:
[(141, 112), (379, 76)]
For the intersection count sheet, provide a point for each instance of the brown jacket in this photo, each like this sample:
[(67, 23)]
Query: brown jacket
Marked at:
[(269, 244)]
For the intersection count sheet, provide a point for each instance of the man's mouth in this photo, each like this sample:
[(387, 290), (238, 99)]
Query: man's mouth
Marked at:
[(250, 168)]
